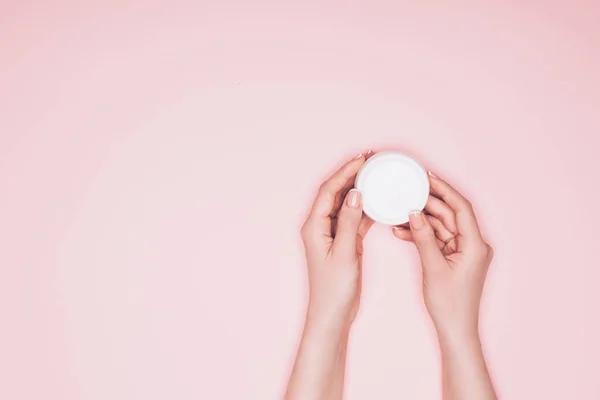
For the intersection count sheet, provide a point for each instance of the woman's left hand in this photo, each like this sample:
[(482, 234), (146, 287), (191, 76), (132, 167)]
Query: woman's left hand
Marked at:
[(332, 236)]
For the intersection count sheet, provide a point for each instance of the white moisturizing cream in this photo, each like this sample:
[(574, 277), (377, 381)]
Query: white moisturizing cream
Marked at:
[(392, 185)]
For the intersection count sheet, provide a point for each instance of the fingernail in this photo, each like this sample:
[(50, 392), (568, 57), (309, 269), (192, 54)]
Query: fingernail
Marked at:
[(369, 152), (416, 219), (431, 174), (353, 199), (358, 156)]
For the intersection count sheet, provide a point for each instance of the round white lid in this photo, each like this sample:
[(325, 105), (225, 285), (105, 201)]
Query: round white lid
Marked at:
[(392, 185)]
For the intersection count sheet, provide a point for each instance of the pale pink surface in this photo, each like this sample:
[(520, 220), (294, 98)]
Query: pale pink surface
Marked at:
[(157, 159)]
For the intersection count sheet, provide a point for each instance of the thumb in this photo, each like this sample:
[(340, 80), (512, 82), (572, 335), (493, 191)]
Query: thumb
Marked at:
[(348, 223), (425, 240)]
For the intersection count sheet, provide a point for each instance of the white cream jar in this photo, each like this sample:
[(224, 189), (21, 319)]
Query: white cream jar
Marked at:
[(392, 185)]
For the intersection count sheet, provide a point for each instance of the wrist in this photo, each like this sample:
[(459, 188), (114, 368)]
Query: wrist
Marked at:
[(323, 338), (459, 342), (460, 332), (325, 326), (336, 319)]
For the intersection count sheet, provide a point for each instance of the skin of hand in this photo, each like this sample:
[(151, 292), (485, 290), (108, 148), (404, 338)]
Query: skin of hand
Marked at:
[(455, 260), (332, 236)]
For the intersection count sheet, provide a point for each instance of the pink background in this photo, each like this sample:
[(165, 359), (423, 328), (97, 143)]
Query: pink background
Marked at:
[(157, 159)]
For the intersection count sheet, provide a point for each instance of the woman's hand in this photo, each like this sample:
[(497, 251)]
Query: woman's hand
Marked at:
[(333, 235), (455, 259)]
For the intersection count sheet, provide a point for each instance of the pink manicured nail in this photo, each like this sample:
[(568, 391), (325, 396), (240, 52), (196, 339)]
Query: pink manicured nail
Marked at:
[(431, 174), (353, 199), (416, 219), (358, 156)]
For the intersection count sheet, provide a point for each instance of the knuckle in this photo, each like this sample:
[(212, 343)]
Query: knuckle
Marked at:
[(447, 215), (347, 213), (344, 220), (468, 205), (424, 241), (323, 187), (481, 251), (305, 230), (448, 220), (490, 251), (424, 238)]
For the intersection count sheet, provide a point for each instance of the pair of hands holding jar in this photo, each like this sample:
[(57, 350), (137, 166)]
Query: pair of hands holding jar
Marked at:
[(454, 258)]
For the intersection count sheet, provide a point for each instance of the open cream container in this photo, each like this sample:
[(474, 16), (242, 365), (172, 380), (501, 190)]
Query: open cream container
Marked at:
[(392, 185)]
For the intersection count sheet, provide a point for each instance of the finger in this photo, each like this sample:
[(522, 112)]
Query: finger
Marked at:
[(440, 230), (349, 220), (466, 222), (365, 224), (363, 228), (405, 234), (424, 238), (319, 219), (341, 195), (402, 233), (337, 205), (442, 212)]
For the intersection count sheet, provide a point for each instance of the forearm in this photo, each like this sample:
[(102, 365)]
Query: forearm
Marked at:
[(319, 369), (336, 388), (464, 371)]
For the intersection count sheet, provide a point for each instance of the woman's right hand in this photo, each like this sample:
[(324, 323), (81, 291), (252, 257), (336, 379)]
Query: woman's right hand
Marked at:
[(454, 257), (455, 260)]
